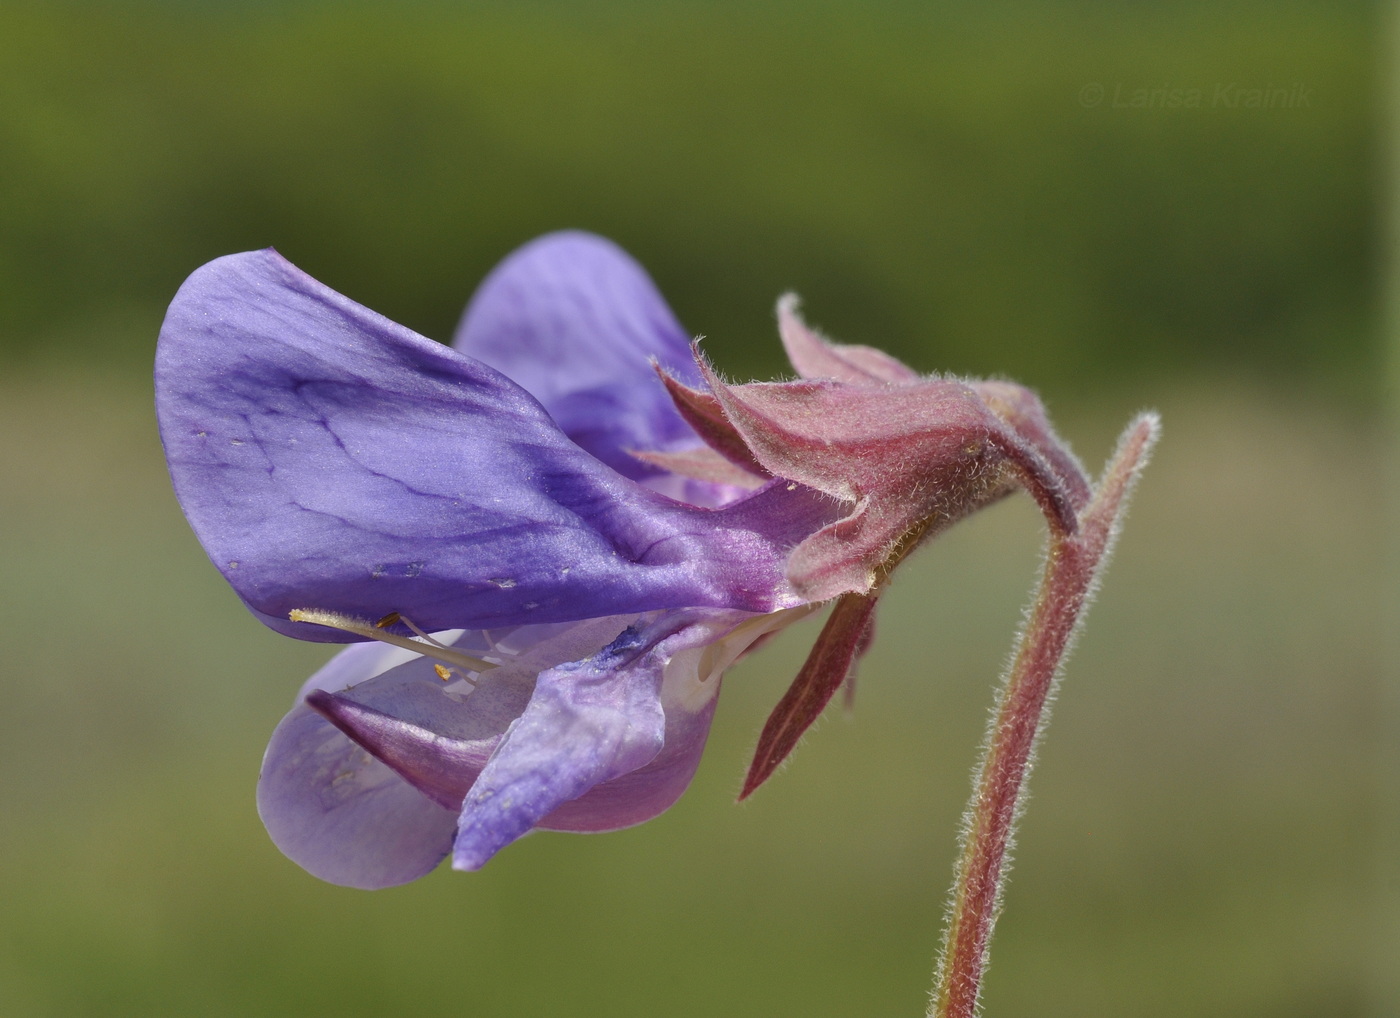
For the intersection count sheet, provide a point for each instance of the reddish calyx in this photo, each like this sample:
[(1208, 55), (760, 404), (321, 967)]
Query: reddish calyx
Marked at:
[(908, 455)]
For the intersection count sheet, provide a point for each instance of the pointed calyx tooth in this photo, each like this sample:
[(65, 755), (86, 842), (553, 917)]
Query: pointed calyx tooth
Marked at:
[(832, 657), (703, 413), (814, 356)]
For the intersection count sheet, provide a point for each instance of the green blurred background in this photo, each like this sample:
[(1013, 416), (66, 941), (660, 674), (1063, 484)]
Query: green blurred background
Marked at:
[(967, 185)]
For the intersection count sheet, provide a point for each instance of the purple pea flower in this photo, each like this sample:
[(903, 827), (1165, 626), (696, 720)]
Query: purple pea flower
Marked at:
[(558, 535), (352, 479)]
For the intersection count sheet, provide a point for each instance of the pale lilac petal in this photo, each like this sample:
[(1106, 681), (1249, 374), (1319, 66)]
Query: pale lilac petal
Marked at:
[(345, 816), (330, 459), (436, 738), (587, 722), (437, 733), (612, 741), (577, 322), (337, 811), (342, 815), (381, 809), (638, 796)]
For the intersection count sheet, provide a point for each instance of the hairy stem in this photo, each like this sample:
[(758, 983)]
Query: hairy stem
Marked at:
[(1072, 568)]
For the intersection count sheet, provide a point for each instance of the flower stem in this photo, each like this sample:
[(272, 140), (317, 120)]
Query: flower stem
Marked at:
[(1073, 565)]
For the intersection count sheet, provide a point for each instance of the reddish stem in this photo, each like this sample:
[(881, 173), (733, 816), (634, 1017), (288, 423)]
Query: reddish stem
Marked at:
[(1073, 565)]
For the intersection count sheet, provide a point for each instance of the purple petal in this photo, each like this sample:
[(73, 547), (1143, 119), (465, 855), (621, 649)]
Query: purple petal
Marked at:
[(647, 792), (576, 321), (612, 741), (345, 816), (383, 811), (586, 722), (337, 811), (342, 815), (437, 736), (330, 459), (440, 766)]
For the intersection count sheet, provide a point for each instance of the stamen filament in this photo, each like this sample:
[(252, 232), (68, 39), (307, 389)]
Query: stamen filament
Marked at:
[(363, 627), (394, 617)]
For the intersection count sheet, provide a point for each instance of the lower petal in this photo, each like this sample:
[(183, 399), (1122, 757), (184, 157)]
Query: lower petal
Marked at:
[(342, 815), (612, 741), (647, 792), (365, 789), (587, 722)]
